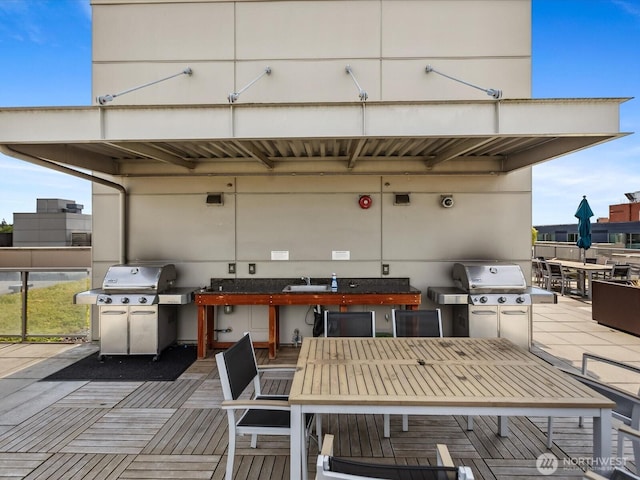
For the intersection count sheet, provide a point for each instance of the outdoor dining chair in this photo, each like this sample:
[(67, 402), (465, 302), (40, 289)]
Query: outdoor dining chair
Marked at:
[(626, 410), (349, 324), (255, 414), (555, 275), (620, 272), (329, 467), (416, 323), (346, 324), (616, 474), (413, 323)]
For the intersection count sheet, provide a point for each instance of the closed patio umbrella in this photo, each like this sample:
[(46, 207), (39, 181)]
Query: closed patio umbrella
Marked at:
[(584, 214)]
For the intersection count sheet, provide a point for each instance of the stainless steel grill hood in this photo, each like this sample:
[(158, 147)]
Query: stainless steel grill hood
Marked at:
[(149, 278), (489, 277)]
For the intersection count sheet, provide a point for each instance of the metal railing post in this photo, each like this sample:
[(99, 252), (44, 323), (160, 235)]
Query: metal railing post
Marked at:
[(25, 286)]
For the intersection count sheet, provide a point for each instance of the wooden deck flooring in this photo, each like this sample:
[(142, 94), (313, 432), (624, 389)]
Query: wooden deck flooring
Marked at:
[(175, 430)]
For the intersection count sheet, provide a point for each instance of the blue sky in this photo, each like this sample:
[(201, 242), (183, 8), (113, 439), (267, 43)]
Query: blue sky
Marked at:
[(581, 48)]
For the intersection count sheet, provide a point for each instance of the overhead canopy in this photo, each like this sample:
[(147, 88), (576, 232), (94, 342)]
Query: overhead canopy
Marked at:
[(456, 137)]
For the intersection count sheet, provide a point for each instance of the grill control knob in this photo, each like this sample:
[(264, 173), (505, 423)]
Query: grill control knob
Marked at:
[(125, 300), (105, 299), (483, 299), (502, 299), (142, 299), (519, 300)]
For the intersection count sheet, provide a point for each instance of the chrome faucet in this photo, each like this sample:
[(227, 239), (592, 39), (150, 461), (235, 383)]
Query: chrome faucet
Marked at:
[(307, 280)]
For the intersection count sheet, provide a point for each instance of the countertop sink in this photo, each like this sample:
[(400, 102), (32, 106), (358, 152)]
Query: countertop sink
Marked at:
[(307, 288)]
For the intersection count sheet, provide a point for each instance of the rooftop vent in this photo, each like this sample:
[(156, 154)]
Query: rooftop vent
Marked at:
[(633, 197)]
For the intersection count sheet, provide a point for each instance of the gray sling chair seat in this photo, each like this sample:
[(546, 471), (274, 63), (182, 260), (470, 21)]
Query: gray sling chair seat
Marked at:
[(257, 414), (349, 324), (329, 467)]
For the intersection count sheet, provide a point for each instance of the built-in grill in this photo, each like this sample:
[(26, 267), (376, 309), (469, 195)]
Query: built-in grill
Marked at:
[(137, 308), (490, 299), (492, 284)]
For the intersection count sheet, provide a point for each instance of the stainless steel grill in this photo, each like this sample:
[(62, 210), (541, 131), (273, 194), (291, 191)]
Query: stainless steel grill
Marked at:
[(492, 284), (490, 299), (137, 308)]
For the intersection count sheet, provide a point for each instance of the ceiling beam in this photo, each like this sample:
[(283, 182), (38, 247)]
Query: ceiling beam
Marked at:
[(254, 153), (551, 148), (457, 149), (149, 151), (70, 155), (353, 155)]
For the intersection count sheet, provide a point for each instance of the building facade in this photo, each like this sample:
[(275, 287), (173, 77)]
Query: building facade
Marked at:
[(274, 119), (56, 223)]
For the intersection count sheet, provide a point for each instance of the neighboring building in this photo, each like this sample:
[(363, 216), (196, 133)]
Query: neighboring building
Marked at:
[(626, 212), (56, 223), (331, 100), (621, 228), (624, 234)]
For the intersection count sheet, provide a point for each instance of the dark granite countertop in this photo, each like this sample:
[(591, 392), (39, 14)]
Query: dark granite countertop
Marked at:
[(276, 285)]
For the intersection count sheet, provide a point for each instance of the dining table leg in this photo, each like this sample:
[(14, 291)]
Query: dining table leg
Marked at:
[(588, 287), (602, 441), (297, 450)]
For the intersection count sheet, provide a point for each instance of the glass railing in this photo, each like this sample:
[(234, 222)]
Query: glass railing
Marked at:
[(37, 304)]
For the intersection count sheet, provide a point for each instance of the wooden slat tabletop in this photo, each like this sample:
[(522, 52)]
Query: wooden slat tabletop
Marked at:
[(432, 372)]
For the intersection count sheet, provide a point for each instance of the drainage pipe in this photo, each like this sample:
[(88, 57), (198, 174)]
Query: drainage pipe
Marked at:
[(85, 176)]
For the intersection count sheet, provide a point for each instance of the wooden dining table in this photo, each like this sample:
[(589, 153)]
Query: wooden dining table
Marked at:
[(585, 273), (434, 376)]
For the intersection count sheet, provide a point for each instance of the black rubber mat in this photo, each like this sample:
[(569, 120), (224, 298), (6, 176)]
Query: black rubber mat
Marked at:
[(172, 362)]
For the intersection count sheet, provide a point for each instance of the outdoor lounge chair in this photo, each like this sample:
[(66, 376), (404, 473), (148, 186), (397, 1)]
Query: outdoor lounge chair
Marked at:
[(259, 414), (329, 467)]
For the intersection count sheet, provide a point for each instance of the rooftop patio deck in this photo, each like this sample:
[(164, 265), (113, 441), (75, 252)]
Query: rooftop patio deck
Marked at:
[(151, 430)]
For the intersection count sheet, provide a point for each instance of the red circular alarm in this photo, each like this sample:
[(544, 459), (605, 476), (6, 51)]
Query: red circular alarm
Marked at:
[(365, 201)]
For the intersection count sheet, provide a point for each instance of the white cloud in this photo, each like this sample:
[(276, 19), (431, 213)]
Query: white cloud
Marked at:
[(629, 7)]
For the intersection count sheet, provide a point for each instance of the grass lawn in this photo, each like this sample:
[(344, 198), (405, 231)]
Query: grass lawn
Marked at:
[(50, 311)]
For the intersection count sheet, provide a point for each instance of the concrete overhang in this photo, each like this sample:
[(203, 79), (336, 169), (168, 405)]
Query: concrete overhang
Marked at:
[(454, 137)]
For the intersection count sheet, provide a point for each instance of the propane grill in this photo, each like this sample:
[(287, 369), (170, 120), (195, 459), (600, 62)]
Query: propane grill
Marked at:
[(490, 299), (136, 284), (492, 284), (137, 308)]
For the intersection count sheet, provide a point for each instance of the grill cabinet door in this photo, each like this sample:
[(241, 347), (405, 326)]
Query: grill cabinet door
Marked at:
[(483, 321), (114, 330), (143, 330), (514, 324)]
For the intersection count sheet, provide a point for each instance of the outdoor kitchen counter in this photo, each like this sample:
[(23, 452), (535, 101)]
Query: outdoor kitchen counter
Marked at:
[(351, 291)]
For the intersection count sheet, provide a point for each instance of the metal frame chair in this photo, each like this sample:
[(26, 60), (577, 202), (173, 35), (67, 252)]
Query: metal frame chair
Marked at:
[(346, 324), (620, 272), (555, 275), (616, 474), (329, 467), (349, 324), (258, 414), (413, 323), (627, 409), (416, 323)]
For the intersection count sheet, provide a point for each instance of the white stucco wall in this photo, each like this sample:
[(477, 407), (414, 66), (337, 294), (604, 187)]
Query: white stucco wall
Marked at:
[(308, 43), (388, 44)]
